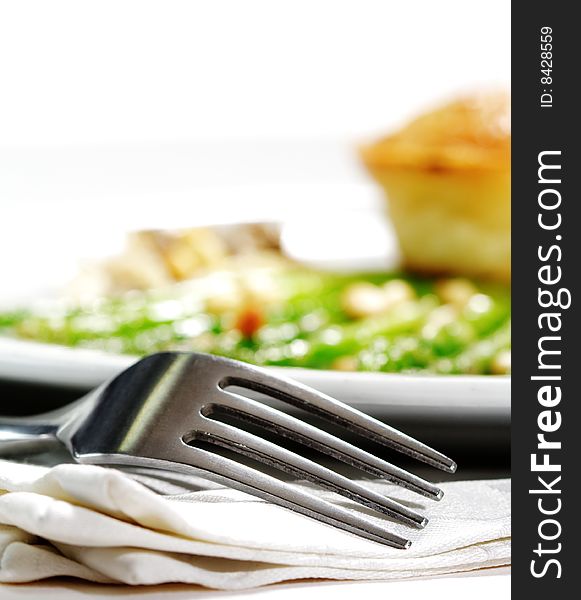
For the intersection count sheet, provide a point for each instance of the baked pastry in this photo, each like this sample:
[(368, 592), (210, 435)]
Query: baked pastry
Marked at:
[(447, 178)]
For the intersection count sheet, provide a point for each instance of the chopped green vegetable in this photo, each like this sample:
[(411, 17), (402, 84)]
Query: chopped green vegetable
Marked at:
[(366, 322)]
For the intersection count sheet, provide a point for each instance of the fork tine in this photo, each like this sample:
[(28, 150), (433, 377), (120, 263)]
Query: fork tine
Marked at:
[(229, 473), (235, 475), (257, 448), (291, 427), (322, 405)]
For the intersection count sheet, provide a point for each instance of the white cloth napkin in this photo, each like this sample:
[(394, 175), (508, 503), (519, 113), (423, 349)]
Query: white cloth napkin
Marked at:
[(103, 525)]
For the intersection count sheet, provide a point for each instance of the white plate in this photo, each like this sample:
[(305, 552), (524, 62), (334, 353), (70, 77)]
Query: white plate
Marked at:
[(318, 240), (410, 396)]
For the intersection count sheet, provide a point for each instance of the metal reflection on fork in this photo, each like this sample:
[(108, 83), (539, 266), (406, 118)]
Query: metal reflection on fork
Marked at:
[(153, 413)]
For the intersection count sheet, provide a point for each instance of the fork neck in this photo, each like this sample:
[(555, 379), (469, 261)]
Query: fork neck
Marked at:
[(23, 438)]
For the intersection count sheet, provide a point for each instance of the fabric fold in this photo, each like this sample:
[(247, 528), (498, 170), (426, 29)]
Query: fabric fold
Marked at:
[(104, 525)]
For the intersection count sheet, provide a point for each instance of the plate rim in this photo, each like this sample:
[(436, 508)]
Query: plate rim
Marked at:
[(40, 363)]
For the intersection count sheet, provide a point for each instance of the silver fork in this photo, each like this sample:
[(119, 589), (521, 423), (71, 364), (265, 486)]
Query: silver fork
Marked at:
[(156, 412)]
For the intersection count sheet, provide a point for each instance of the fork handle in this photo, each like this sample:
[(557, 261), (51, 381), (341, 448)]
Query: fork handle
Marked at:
[(21, 437)]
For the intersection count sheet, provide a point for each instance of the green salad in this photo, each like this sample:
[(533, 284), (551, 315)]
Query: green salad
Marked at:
[(294, 317)]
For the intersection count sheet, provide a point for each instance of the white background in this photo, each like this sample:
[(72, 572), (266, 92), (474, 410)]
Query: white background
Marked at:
[(84, 71), (118, 114)]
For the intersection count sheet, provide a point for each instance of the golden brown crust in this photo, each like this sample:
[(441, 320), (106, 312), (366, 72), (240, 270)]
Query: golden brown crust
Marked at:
[(471, 133), (446, 176)]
